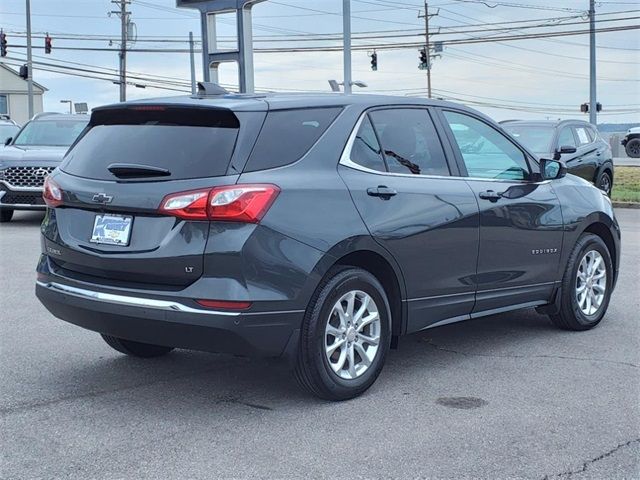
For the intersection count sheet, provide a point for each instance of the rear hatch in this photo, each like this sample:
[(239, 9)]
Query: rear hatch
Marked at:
[(114, 180)]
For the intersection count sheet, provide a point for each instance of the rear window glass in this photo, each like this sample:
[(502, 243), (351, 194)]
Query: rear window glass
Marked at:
[(287, 135), (186, 151)]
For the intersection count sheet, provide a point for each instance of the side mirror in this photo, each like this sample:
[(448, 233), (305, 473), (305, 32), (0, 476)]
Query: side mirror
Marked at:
[(552, 169), (8, 141), (564, 149)]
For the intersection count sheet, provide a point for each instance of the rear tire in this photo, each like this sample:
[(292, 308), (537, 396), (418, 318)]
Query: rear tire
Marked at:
[(633, 148), (6, 215), (586, 285), (345, 335), (136, 349)]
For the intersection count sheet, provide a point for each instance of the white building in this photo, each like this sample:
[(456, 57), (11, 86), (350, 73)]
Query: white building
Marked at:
[(13, 95)]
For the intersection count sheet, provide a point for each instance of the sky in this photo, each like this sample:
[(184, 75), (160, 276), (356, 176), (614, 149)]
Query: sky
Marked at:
[(537, 78)]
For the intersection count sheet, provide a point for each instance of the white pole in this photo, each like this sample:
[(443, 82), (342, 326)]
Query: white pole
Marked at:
[(346, 29), (593, 102), (29, 61), (193, 64)]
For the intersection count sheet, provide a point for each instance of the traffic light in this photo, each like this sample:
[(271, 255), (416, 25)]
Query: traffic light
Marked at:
[(374, 61), (3, 44), (24, 72), (584, 108), (47, 44), (424, 60)]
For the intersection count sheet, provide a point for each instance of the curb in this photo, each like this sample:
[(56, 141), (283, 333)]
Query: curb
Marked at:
[(626, 205)]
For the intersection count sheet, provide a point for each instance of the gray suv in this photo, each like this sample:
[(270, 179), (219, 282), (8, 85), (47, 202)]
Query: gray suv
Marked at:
[(320, 228), (30, 155)]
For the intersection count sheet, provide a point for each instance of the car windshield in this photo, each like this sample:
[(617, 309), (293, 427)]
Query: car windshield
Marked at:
[(54, 132), (7, 131), (536, 138)]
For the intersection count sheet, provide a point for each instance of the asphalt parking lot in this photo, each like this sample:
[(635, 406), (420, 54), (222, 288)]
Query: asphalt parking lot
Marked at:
[(542, 403)]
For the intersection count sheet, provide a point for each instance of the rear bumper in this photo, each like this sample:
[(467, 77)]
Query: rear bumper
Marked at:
[(171, 323)]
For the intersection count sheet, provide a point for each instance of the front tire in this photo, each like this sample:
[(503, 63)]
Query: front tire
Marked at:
[(135, 349), (586, 285), (604, 182), (633, 148), (345, 335), (6, 215)]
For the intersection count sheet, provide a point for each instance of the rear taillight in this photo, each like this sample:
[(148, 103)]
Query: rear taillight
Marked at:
[(233, 203), (188, 205), (52, 193)]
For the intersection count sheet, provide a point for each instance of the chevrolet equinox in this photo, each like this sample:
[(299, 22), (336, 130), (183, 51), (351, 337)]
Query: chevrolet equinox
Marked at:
[(319, 228)]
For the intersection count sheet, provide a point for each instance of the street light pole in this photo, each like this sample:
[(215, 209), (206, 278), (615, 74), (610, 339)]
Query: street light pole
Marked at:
[(193, 64), (70, 105), (29, 61), (346, 33), (593, 102)]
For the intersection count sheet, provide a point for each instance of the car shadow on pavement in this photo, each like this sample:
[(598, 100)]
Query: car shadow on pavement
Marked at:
[(26, 218), (215, 382)]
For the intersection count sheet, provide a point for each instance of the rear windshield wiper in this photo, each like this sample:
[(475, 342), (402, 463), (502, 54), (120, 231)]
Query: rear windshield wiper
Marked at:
[(132, 170)]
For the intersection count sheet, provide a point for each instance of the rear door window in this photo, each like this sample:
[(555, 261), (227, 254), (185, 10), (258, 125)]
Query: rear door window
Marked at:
[(366, 150), (583, 136), (410, 142), (188, 144), (287, 135)]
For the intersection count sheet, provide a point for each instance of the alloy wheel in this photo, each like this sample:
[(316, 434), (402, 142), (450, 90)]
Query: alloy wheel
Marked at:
[(605, 184), (591, 282), (352, 334)]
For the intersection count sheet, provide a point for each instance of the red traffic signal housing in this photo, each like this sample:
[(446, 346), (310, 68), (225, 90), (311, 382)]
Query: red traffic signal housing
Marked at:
[(48, 43)]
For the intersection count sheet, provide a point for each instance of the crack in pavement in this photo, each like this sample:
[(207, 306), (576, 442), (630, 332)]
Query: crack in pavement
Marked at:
[(583, 468), (493, 355), (21, 407)]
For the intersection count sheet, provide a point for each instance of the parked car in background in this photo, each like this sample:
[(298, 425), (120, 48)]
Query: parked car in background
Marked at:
[(631, 142), (30, 155), (316, 227), (8, 129), (575, 142)]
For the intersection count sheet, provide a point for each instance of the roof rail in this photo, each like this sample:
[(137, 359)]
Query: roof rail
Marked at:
[(206, 89), (44, 114)]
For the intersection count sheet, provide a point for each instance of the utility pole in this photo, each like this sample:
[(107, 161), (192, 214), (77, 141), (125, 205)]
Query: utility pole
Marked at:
[(124, 21), (593, 102), (29, 61), (193, 64), (346, 33), (427, 44)]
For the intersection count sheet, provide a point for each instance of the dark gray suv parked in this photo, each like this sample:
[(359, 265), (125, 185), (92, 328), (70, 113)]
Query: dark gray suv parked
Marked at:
[(577, 143), (316, 227)]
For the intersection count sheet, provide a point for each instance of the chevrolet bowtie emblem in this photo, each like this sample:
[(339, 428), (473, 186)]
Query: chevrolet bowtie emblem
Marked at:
[(102, 198)]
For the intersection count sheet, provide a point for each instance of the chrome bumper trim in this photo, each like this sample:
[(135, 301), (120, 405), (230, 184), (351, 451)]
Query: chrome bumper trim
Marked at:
[(20, 205), (16, 188), (129, 301)]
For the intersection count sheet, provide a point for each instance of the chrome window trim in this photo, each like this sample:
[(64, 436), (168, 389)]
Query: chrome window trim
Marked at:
[(345, 160)]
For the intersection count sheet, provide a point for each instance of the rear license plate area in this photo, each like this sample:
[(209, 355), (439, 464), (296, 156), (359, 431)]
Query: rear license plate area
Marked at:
[(112, 230)]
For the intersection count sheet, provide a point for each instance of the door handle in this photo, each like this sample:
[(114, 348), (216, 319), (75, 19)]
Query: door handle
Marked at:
[(381, 191), (490, 195)]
